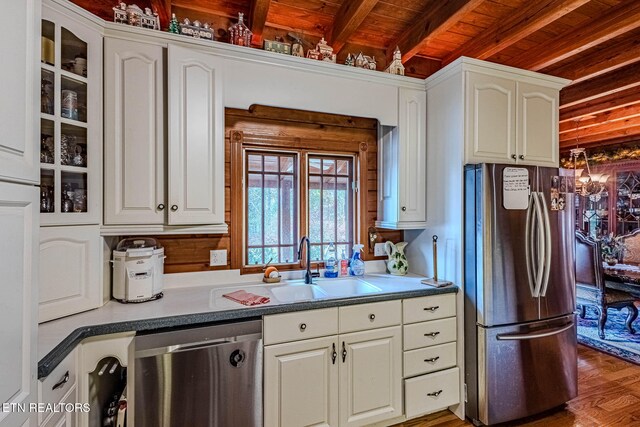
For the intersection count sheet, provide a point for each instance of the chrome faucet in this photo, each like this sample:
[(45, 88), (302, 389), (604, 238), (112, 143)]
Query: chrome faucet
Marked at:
[(308, 278)]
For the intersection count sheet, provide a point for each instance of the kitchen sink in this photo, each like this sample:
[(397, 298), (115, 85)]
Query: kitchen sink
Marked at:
[(296, 292), (347, 287)]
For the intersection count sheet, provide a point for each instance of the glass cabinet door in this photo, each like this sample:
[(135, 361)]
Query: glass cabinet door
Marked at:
[(70, 111)]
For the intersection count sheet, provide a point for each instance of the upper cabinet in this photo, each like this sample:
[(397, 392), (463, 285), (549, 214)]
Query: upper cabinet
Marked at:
[(196, 137), (509, 115), (70, 148), (402, 163)]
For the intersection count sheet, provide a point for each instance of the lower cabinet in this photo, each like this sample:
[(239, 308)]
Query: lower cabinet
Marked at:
[(344, 379), (60, 388)]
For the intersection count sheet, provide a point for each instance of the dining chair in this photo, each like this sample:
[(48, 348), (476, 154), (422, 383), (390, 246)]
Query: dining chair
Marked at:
[(631, 251), (591, 287)]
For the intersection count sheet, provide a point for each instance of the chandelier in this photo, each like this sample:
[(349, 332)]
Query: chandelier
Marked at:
[(587, 183)]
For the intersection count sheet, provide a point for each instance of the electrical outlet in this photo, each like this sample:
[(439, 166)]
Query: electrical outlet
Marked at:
[(378, 250), (217, 257)]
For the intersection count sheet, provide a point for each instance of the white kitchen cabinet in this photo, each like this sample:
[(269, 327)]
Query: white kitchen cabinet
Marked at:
[(60, 387), (134, 133), (18, 306), (301, 383), (402, 162), (504, 114), (70, 271), (348, 379), (70, 119), (196, 137)]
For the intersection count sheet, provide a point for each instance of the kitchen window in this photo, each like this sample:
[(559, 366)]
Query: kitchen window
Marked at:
[(274, 181)]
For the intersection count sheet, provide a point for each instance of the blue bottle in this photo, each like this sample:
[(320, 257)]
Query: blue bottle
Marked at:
[(331, 262), (357, 264)]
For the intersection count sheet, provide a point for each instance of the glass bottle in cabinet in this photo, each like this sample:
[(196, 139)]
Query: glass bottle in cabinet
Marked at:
[(71, 133)]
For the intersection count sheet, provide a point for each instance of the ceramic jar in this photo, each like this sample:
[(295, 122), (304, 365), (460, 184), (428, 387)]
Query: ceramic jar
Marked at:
[(397, 263)]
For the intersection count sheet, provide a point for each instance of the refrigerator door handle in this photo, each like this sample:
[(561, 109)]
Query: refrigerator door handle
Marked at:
[(534, 335), (540, 244), (547, 244), (528, 245)]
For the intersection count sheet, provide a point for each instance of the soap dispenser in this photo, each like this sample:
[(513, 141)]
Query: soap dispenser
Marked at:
[(357, 264)]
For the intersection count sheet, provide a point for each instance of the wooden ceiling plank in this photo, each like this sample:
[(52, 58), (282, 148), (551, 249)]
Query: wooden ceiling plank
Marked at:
[(514, 28), (624, 113), (606, 138), (615, 81), (601, 104), (258, 17), (590, 65), (351, 14), (438, 19), (618, 20)]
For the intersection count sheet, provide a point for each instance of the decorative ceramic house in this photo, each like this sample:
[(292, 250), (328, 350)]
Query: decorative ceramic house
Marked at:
[(150, 19), (395, 66), (239, 33), (365, 61), (134, 16), (350, 61), (326, 51), (120, 14), (196, 30)]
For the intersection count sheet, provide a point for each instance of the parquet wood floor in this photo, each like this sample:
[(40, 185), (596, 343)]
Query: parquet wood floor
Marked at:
[(608, 396)]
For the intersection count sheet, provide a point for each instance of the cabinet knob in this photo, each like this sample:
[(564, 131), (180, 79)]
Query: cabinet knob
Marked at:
[(521, 156), (513, 156), (404, 209), (303, 326), (160, 207), (174, 208), (372, 317)]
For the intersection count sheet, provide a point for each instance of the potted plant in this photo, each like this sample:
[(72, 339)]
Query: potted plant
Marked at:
[(612, 247)]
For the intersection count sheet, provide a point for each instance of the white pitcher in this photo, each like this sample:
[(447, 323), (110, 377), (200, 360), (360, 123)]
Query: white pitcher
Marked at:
[(397, 263)]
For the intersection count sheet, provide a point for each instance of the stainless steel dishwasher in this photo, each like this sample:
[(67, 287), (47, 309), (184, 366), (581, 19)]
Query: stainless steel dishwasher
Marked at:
[(209, 376)]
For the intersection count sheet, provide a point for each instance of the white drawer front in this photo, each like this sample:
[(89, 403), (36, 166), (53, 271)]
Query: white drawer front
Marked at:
[(301, 325), (432, 392), (426, 334), (429, 359), (64, 418), (429, 308), (370, 316), (58, 379)]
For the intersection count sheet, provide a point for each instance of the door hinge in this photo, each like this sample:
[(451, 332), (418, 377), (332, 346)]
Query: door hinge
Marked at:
[(355, 186)]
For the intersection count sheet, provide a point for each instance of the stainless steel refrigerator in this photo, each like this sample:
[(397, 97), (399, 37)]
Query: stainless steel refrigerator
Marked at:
[(519, 281)]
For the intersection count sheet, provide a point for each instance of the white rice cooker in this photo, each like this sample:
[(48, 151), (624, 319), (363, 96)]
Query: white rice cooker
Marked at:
[(138, 266)]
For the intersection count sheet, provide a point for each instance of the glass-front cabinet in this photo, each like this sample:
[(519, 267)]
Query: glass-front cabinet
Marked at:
[(70, 121)]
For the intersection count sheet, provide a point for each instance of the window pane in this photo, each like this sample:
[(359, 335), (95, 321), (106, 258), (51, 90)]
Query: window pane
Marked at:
[(314, 165), (254, 256), (328, 166), (343, 249), (315, 253), (342, 211), (270, 163), (287, 254), (271, 207), (342, 167), (287, 209), (328, 210), (314, 208), (286, 164), (255, 162), (254, 210), (271, 255)]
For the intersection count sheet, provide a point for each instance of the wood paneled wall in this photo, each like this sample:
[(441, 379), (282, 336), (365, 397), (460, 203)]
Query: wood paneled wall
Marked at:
[(187, 253)]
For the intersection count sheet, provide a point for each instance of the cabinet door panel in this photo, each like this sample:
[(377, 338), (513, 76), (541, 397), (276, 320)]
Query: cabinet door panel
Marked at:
[(18, 265), (491, 114), (196, 138), (371, 376), (69, 271), (301, 384), (134, 133), (413, 155), (538, 125)]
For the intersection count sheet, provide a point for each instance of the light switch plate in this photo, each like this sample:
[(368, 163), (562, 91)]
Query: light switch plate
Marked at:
[(378, 250), (217, 257)]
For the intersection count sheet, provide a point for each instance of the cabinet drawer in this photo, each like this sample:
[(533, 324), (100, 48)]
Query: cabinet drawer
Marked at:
[(54, 387), (369, 316), (432, 392), (429, 359), (301, 325), (426, 334), (429, 308), (64, 418)]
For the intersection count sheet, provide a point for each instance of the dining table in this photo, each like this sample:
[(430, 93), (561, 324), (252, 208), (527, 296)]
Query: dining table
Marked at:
[(624, 277)]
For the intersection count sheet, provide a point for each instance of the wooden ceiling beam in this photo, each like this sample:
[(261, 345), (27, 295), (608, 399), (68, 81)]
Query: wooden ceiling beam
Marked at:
[(349, 17), (601, 104), (607, 138), (585, 123), (439, 17), (163, 9), (258, 18), (515, 27), (618, 20), (615, 81)]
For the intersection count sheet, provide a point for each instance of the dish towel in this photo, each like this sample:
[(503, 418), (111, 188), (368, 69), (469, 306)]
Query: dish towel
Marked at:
[(246, 298)]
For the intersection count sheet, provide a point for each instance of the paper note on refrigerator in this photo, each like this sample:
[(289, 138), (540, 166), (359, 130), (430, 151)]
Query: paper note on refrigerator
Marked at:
[(515, 188)]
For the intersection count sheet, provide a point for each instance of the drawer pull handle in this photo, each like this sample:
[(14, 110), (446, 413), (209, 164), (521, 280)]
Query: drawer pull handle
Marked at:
[(435, 393), (334, 354), (303, 327), (432, 309), (62, 382), (432, 334), (344, 352), (432, 360), (372, 317)]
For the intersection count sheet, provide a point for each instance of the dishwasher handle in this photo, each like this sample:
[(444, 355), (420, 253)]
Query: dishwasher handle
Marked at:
[(193, 346)]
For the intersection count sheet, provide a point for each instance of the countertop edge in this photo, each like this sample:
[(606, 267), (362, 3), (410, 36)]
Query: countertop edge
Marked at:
[(49, 362)]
